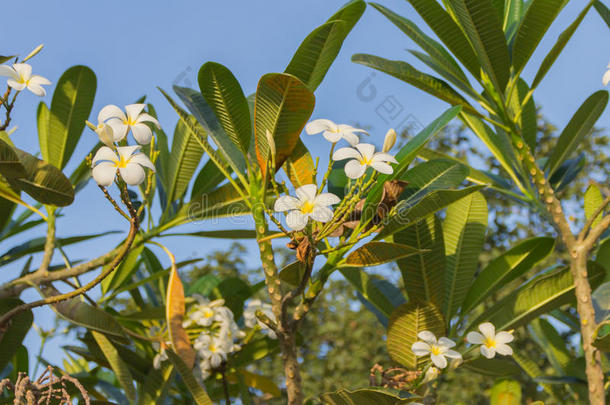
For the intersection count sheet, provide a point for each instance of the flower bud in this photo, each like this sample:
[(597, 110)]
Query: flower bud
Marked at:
[(431, 374), (271, 143), (105, 133), (389, 141)]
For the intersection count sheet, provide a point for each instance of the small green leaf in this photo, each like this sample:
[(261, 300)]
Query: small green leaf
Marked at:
[(376, 253), (10, 165), (593, 200), (13, 336), (118, 366)]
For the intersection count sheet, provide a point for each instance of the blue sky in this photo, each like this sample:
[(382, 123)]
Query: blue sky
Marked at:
[(134, 46)]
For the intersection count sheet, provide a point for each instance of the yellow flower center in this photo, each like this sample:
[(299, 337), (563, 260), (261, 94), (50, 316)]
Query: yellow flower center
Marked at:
[(490, 343), (436, 350), (129, 122), (307, 207), (122, 162), (212, 348), (366, 161), (208, 313)]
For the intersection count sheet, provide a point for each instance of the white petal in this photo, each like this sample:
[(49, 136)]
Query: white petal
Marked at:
[(367, 150), (351, 138), (142, 160), (606, 78), (23, 69), (296, 220), (446, 342), (285, 203), (452, 354), (104, 153), (37, 90), (321, 214), (420, 349), (488, 330), (142, 133), (15, 85), (326, 199), (504, 337), (382, 167), (427, 336), (475, 338), (346, 153), (126, 151), (133, 174), (104, 173), (504, 350), (307, 192), (488, 352), (111, 111), (39, 80), (384, 157), (354, 170), (317, 126), (148, 118), (332, 137), (439, 360), (346, 129), (133, 110), (106, 134), (119, 129), (8, 72)]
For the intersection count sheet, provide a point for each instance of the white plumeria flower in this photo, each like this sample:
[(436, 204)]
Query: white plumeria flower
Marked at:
[(161, 356), (306, 205), (438, 350), (363, 156), (128, 162), (204, 312), (490, 341), (20, 77), (606, 78), (334, 132), (135, 120), (211, 348), (250, 318)]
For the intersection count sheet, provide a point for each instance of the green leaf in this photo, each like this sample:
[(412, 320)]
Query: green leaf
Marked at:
[(283, 105), (254, 350), (506, 392), (367, 396), (124, 271), (44, 182), (506, 268), (447, 30), (405, 323), (579, 126), (601, 302), (431, 203), (464, 234), (536, 297), (376, 253), (292, 273), (538, 18), (199, 395), (219, 234), (407, 73), (204, 114), (299, 166), (70, 107), (480, 22), (183, 160), (208, 178), (528, 119), (555, 348), (593, 200), (423, 273), (222, 202), (433, 175), (225, 96), (256, 381), (496, 367), (10, 165), (533, 371), (118, 366), (371, 291), (559, 46), (13, 336), (404, 157), (603, 11), (4, 59)]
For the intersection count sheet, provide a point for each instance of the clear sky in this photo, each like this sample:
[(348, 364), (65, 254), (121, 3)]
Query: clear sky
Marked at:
[(134, 46)]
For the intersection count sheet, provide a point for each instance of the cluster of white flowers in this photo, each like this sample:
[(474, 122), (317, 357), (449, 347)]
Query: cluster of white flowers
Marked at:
[(20, 77), (440, 349), (308, 203), (250, 319), (113, 125)]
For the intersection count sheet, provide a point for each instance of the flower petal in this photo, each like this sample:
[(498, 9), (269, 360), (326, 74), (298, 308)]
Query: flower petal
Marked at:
[(133, 110), (504, 337), (384, 157), (8, 72), (446, 342), (142, 160), (321, 214), (352, 138), (427, 336), (420, 349), (439, 360), (317, 126), (346, 153), (488, 330), (367, 150), (382, 167), (296, 220), (307, 192), (326, 199), (104, 153), (285, 203), (147, 118), (15, 84), (354, 170), (126, 151), (142, 133), (606, 78), (332, 137), (111, 111), (37, 90), (488, 352), (452, 354), (345, 129), (23, 70), (475, 338), (119, 130), (133, 174), (504, 350), (104, 173), (39, 80)]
